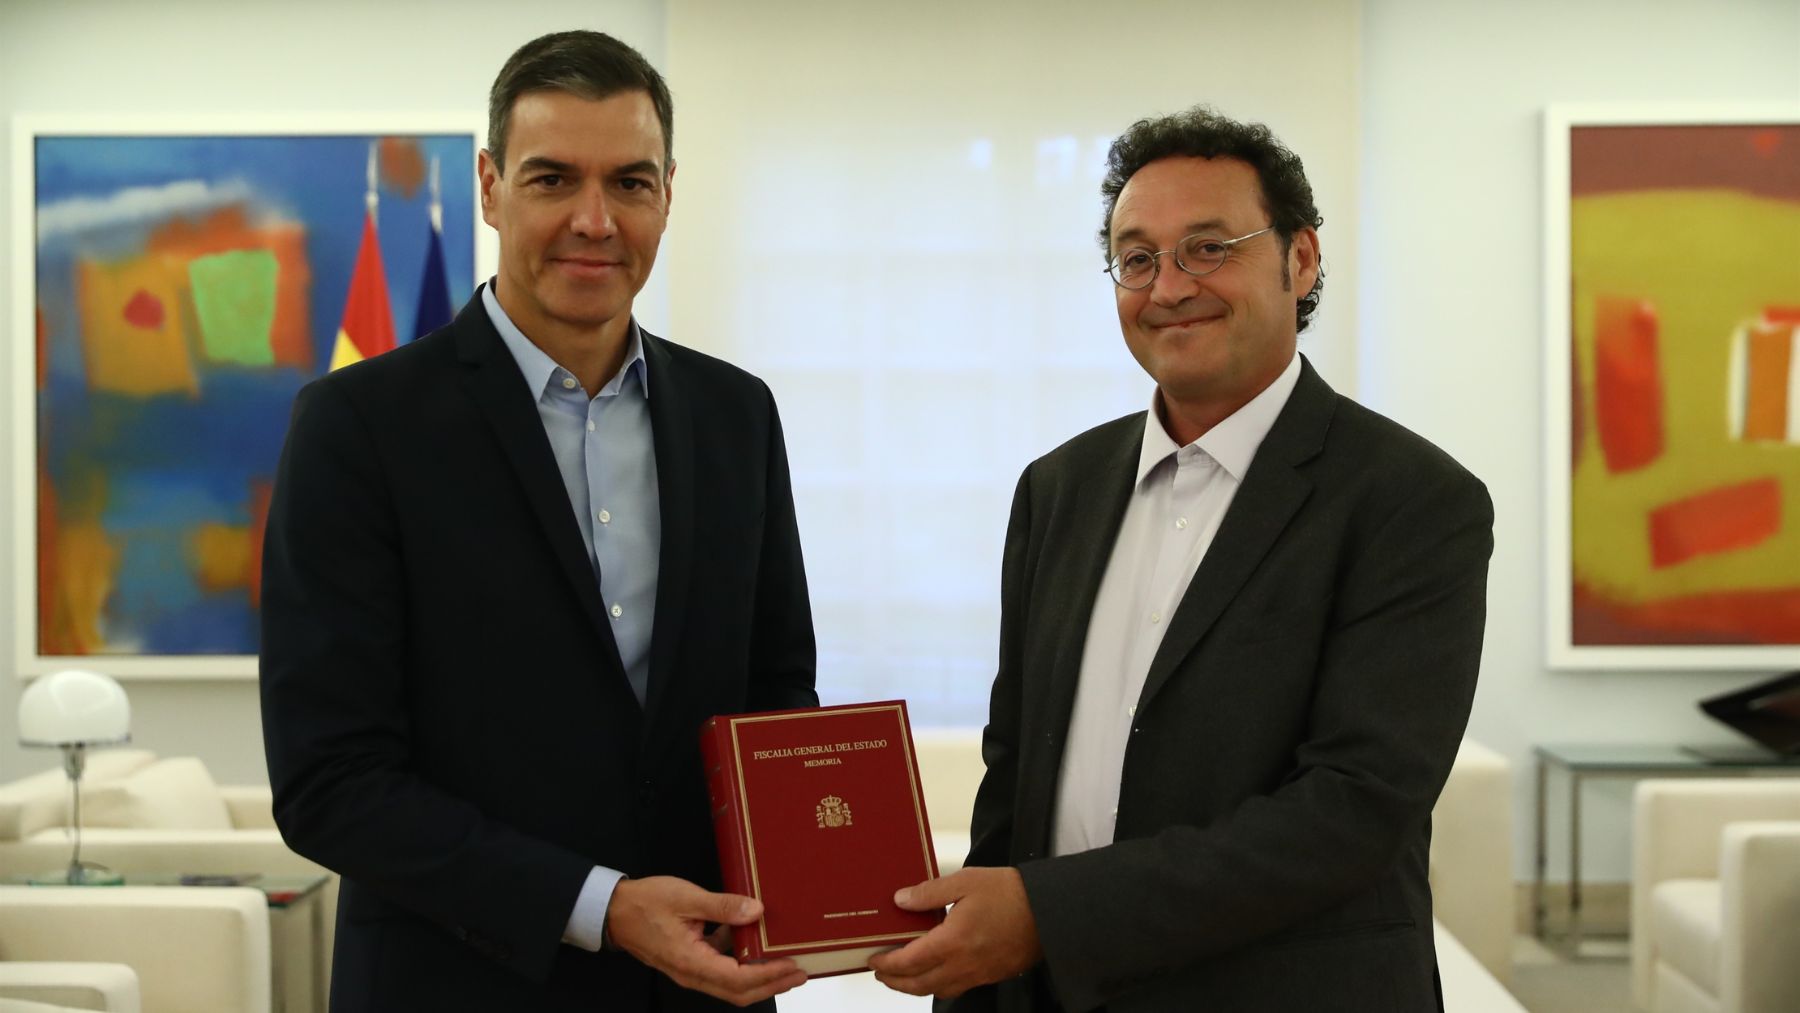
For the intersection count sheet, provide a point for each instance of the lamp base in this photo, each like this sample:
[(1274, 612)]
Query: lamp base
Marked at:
[(77, 877)]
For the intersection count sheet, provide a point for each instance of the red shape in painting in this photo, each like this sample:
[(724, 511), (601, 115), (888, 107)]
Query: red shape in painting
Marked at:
[(145, 311), (1719, 520), (1769, 616), (1766, 142), (1628, 398), (1781, 314)]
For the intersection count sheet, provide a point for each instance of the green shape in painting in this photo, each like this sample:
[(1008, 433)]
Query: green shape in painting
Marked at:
[(234, 297)]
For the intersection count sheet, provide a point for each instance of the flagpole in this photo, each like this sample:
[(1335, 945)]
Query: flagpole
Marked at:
[(370, 198), (437, 204)]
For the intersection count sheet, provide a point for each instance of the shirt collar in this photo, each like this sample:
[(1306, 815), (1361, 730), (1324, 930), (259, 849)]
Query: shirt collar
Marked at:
[(540, 369), (1234, 441)]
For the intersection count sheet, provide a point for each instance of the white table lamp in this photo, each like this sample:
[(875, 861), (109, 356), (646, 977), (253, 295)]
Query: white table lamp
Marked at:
[(75, 711)]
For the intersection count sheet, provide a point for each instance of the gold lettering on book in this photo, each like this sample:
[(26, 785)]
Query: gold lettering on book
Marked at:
[(830, 747), (833, 812)]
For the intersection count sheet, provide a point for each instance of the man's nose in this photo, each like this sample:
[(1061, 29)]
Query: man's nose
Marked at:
[(593, 217), (1171, 284)]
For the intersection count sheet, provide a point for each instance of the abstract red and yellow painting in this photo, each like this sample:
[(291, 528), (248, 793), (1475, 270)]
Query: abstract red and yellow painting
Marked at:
[(1683, 331)]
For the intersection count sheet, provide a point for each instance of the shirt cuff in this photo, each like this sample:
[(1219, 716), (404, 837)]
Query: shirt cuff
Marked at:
[(587, 923)]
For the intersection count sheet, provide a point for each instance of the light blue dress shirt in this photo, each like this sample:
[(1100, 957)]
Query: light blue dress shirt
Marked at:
[(607, 457)]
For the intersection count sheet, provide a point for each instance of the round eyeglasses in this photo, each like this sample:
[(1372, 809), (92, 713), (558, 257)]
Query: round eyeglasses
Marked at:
[(1198, 254)]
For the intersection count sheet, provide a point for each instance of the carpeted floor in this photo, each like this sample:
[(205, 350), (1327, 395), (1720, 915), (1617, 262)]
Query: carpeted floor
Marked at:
[(1544, 982)]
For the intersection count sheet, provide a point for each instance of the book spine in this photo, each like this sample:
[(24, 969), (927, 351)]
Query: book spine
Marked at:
[(728, 828)]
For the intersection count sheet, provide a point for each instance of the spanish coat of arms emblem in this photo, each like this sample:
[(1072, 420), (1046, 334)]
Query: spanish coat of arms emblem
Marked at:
[(833, 812)]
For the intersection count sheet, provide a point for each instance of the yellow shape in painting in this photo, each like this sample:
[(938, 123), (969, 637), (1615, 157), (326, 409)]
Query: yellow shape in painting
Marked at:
[(1707, 260), (221, 556), (132, 329), (85, 561)]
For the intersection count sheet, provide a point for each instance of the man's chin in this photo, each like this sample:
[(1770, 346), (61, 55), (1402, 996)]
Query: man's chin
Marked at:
[(587, 312)]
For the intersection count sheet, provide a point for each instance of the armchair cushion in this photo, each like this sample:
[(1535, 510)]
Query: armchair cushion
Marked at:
[(172, 794), (1685, 915), (252, 807), (41, 800)]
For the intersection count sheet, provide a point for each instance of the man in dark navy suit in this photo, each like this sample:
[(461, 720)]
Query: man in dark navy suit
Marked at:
[(510, 569)]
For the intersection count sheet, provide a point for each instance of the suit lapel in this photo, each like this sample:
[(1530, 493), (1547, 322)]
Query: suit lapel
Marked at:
[(1100, 500), (1271, 494), (672, 428), (1102, 489), (498, 389)]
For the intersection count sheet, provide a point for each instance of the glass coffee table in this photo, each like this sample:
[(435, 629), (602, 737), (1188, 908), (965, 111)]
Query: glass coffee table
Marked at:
[(1585, 762)]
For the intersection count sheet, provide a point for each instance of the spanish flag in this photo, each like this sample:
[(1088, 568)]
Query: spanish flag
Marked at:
[(368, 327)]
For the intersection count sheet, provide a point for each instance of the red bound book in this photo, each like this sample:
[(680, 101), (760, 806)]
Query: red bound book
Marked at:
[(819, 815)]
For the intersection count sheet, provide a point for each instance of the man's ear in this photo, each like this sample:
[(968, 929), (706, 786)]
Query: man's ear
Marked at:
[(489, 171), (669, 187), (1303, 260)]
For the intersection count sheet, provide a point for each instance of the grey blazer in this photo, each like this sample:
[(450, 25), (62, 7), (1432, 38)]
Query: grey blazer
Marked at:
[(1299, 719)]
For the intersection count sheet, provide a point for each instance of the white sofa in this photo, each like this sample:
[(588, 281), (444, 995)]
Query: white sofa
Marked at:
[(1471, 847), (191, 951), (1715, 895)]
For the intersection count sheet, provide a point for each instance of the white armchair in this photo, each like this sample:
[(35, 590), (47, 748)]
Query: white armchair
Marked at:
[(192, 951), (1715, 895), (1471, 857), (70, 985)]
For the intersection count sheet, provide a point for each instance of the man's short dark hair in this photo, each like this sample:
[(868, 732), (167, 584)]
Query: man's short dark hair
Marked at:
[(1202, 133), (589, 65)]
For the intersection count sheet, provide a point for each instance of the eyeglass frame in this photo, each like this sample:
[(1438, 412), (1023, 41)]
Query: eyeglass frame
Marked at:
[(1156, 259)]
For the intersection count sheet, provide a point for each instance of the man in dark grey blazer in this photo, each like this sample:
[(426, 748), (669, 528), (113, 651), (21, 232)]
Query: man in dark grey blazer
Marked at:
[(510, 569), (1239, 640)]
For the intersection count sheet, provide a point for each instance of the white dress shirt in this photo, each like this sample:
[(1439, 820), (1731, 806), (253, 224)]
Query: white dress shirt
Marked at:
[(1180, 496)]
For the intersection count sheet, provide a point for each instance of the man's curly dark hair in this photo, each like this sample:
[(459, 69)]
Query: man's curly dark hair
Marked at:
[(1200, 132)]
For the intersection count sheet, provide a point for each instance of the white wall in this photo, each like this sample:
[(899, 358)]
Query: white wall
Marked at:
[(1451, 336), (888, 211), (206, 56)]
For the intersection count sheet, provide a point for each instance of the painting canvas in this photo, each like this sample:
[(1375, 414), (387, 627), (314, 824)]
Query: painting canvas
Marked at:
[(1674, 356), (178, 288)]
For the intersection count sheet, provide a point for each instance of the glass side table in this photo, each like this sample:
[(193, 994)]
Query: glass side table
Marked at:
[(1581, 763), (297, 957)]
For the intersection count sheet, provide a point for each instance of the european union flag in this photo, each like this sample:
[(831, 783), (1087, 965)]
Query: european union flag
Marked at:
[(434, 289)]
